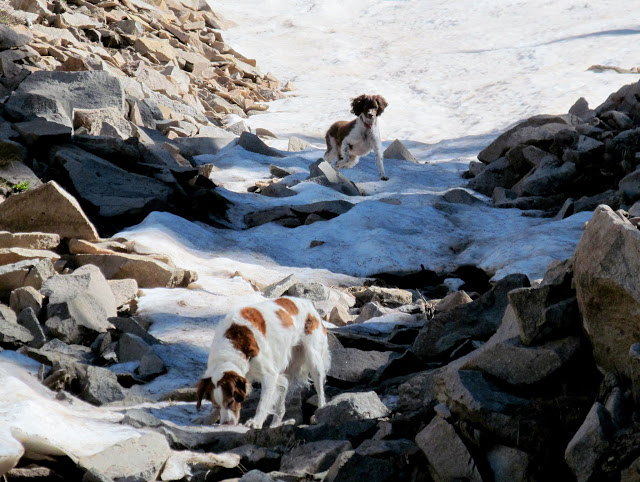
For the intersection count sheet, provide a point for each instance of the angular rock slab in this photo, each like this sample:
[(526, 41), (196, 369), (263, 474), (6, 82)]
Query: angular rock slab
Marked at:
[(54, 95), (321, 172), (29, 240), (397, 150), (138, 459), (449, 458), (84, 296), (606, 267), (313, 457), (351, 406), (49, 209), (25, 273)]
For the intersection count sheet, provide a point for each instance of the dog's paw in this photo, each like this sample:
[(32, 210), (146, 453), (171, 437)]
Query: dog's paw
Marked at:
[(384, 178), (252, 423)]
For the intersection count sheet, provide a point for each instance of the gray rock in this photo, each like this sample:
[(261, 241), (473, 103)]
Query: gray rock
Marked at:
[(280, 287), (41, 133), (12, 334), (113, 191), (253, 143), (624, 100), (550, 177), (397, 150), (49, 209), (581, 109), (83, 296), (449, 458), (351, 406), (279, 172), (137, 459), (523, 158), (314, 457), (277, 189), (29, 320), (132, 348), (296, 144), (533, 130), (29, 240), (151, 365), (134, 327), (100, 386), (630, 185), (69, 330), (269, 215), (124, 291), (322, 173), (611, 198), (458, 195), (197, 146), (25, 273), (605, 267), (14, 36), (476, 167), (453, 300), (508, 464), (589, 443), (26, 297), (71, 90), (355, 366), (387, 296), (479, 318), (311, 291), (370, 310), (417, 393), (497, 174)]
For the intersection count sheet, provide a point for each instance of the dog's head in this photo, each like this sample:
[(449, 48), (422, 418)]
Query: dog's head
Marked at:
[(368, 106), (226, 395)]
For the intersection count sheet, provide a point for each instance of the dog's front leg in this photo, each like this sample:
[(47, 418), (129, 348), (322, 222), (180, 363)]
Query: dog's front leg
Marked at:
[(377, 151), (265, 405)]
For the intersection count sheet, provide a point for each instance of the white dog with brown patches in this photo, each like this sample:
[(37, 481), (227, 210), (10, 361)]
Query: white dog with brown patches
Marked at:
[(278, 343)]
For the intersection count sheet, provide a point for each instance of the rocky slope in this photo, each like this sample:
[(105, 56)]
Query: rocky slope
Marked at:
[(107, 104)]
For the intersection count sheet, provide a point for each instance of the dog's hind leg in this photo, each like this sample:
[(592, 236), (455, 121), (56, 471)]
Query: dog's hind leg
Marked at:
[(279, 408), (332, 151)]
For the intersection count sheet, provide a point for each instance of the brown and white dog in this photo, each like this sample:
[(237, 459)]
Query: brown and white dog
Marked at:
[(347, 141), (278, 343)]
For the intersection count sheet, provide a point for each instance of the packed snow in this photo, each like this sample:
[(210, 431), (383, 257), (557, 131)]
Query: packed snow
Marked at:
[(456, 74)]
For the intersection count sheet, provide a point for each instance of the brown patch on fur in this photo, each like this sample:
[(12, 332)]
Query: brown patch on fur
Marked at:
[(339, 130), (243, 340), (204, 391), (310, 324), (288, 305), (254, 317), (285, 318), (234, 391)]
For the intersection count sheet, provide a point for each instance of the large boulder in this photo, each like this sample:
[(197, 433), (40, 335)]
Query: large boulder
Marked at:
[(351, 406), (49, 209), (606, 265), (53, 95), (30, 272), (478, 319), (83, 296), (112, 191), (497, 174)]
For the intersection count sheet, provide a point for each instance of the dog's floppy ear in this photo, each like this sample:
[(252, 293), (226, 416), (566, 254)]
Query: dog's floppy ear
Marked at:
[(382, 104), (205, 387), (358, 104)]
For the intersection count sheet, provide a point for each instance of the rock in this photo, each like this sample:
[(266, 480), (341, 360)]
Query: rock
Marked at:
[(630, 185), (151, 366), (589, 443), (279, 172), (453, 300), (322, 173), (533, 131), (277, 214), (134, 327), (16, 172), (253, 143), (605, 267), (99, 385), (340, 315), (550, 177), (48, 208), (14, 36), (54, 95), (160, 49), (197, 146), (314, 457), (137, 459), (39, 134), (84, 296), (28, 319), (567, 209), (29, 240), (148, 272), (25, 273), (476, 167), (523, 158), (611, 198), (478, 319), (581, 109), (458, 195), (296, 144), (351, 406), (102, 122), (124, 291), (624, 100), (311, 291), (132, 348), (184, 464), (354, 366), (277, 189), (393, 297), (26, 297), (111, 190), (370, 310), (508, 464), (497, 174), (379, 461), (12, 335), (14, 255), (634, 372), (397, 150), (449, 458), (278, 288)]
